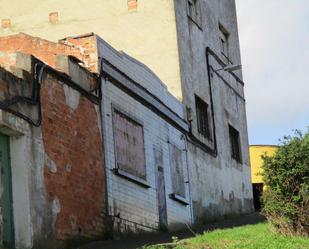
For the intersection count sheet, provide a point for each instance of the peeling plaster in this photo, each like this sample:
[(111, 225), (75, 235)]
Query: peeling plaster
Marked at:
[(50, 164), (71, 97), (56, 208)]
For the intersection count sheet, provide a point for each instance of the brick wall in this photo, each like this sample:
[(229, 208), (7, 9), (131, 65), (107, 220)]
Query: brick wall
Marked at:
[(69, 196), (74, 173), (40, 48), (87, 44)]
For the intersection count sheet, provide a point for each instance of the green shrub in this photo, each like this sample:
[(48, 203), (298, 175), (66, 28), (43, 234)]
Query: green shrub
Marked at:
[(286, 176)]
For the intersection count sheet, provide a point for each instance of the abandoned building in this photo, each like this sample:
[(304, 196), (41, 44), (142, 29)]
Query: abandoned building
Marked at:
[(97, 142)]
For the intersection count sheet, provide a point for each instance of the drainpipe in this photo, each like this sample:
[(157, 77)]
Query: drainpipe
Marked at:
[(189, 181)]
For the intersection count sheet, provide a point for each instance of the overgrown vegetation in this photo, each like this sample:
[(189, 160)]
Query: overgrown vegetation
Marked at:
[(245, 237), (286, 176)]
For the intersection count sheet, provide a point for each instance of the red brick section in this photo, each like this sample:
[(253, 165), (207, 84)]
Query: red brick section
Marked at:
[(44, 50), (83, 47), (88, 43), (132, 5), (6, 23), (53, 17), (72, 140)]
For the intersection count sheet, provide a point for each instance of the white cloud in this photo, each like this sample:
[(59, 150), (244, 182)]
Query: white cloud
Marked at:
[(274, 37)]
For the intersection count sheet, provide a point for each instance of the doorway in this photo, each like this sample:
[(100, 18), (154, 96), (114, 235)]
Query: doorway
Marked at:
[(161, 192), (257, 194), (7, 226)]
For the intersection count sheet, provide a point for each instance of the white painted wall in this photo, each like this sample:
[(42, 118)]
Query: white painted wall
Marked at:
[(138, 206)]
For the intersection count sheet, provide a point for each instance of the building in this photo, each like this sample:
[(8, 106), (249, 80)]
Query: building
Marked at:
[(50, 192), (200, 38), (186, 108), (256, 153)]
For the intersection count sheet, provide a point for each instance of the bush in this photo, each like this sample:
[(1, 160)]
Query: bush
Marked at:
[(286, 176)]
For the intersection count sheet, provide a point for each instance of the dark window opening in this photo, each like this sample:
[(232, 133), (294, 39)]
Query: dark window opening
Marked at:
[(224, 41), (194, 12), (235, 144), (202, 115), (257, 194)]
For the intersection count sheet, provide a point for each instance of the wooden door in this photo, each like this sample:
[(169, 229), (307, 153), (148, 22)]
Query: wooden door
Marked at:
[(6, 181), (161, 193)]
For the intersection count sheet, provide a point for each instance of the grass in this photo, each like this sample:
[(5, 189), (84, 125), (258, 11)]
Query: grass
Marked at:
[(246, 237)]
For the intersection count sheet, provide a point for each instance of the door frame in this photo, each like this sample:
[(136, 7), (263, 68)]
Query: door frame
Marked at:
[(160, 178), (6, 181)]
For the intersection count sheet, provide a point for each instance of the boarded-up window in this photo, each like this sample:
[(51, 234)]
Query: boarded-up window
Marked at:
[(177, 171), (129, 145)]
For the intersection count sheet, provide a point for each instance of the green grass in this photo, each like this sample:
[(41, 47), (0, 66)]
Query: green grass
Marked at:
[(246, 237)]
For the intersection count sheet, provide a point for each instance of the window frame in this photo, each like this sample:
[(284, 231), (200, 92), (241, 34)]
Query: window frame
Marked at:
[(224, 37), (203, 128), (235, 144)]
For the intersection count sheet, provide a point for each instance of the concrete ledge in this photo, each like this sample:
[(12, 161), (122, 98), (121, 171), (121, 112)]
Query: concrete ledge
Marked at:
[(131, 178), (11, 125), (179, 199)]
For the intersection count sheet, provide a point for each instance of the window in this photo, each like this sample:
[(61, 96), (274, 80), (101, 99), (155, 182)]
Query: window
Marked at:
[(202, 116), (194, 12), (176, 162), (224, 41), (235, 144), (129, 145)]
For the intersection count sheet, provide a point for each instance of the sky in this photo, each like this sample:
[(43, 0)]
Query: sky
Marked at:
[(274, 41)]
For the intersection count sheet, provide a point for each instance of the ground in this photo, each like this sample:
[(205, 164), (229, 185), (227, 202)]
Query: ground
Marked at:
[(246, 237), (133, 242), (244, 232)]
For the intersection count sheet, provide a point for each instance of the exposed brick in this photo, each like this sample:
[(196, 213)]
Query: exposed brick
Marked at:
[(73, 138), (6, 23), (132, 5), (40, 48), (53, 17)]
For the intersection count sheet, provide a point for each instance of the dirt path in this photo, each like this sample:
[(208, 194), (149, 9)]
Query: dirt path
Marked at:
[(138, 241)]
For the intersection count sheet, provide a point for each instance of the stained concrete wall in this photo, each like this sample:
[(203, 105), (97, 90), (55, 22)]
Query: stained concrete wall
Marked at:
[(58, 192), (220, 185), (146, 33)]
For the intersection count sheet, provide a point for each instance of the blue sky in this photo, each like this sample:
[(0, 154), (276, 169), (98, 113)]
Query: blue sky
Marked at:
[(274, 41)]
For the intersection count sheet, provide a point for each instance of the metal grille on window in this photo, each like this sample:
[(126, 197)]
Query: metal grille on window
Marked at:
[(235, 144), (202, 115)]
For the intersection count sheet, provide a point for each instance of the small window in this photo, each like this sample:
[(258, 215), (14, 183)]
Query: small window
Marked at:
[(129, 145), (194, 12), (224, 41), (202, 115), (235, 144)]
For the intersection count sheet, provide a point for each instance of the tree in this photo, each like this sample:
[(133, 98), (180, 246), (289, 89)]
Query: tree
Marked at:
[(286, 176)]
